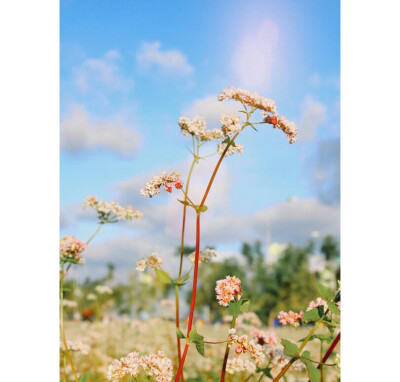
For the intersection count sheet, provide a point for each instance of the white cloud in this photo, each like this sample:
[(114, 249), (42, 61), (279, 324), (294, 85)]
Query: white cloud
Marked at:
[(81, 132), (172, 62), (95, 73), (211, 109), (253, 60), (313, 115)]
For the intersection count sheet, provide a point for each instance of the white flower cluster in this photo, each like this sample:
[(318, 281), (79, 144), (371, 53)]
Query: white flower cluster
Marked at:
[(230, 124), (111, 210), (76, 346), (245, 346), (237, 365), (197, 128), (232, 149), (153, 187), (91, 297), (70, 304), (156, 365), (103, 289), (249, 318), (251, 99), (266, 106), (204, 256), (279, 361), (152, 261)]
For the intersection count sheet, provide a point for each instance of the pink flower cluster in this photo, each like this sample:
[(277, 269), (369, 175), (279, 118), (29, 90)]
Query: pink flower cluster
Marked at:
[(71, 248), (290, 318), (156, 365), (227, 289), (244, 346), (288, 127), (153, 187), (318, 302), (269, 339)]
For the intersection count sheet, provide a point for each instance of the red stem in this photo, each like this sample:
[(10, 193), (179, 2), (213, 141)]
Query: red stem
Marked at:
[(193, 302), (330, 350)]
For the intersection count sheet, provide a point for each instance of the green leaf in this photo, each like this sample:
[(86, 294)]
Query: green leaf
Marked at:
[(163, 276), (314, 374), (311, 315), (182, 281), (184, 202), (333, 308), (84, 377), (324, 291), (234, 308), (245, 305), (321, 337), (290, 349), (198, 340), (179, 333), (203, 208), (227, 140), (266, 371)]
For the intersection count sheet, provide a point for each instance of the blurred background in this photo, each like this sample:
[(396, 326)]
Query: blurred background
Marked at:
[(128, 71)]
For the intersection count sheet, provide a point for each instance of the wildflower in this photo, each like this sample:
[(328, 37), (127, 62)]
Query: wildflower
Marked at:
[(265, 338), (76, 346), (251, 99), (288, 127), (237, 365), (156, 365), (111, 211), (197, 128), (230, 124), (233, 149), (91, 297), (204, 256), (338, 305), (210, 135), (178, 184), (279, 360), (153, 186), (71, 249), (319, 302), (168, 187), (152, 261), (227, 289), (103, 289), (290, 318), (244, 346), (70, 304)]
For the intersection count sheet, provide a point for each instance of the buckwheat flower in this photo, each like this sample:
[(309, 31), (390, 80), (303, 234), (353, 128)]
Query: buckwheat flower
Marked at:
[(279, 360), (269, 339), (238, 365), (154, 260), (158, 366), (227, 289), (91, 297), (70, 304), (231, 150), (141, 265), (288, 127), (103, 289), (298, 365), (251, 99), (153, 187), (249, 318), (71, 249), (210, 135), (195, 127), (290, 318), (204, 256), (129, 365), (318, 302), (111, 210), (178, 184), (338, 305), (168, 187), (76, 346), (230, 124)]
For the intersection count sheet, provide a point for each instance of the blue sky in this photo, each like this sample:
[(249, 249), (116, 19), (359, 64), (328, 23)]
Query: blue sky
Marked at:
[(129, 70)]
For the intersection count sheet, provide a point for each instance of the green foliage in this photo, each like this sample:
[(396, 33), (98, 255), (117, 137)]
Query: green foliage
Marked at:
[(314, 374), (324, 291), (290, 349), (198, 340), (179, 333), (163, 276), (330, 248), (311, 315)]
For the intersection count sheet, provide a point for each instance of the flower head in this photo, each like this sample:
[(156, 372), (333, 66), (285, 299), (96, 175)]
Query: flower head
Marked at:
[(76, 346), (153, 187), (103, 289), (230, 124), (269, 339), (227, 289), (238, 365), (288, 127), (290, 318), (71, 249), (233, 149), (204, 256), (243, 345), (111, 211), (153, 261), (197, 128), (318, 302)]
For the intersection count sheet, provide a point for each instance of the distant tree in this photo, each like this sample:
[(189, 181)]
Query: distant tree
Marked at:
[(330, 248)]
